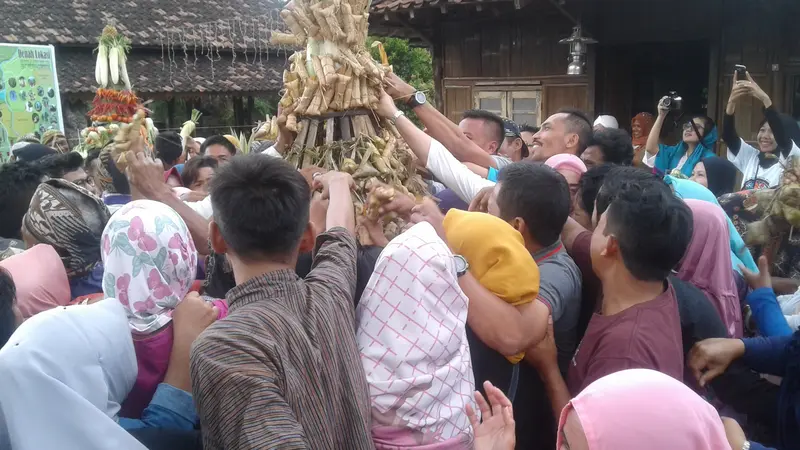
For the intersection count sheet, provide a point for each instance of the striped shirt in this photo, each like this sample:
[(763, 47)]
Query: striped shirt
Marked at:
[(283, 369)]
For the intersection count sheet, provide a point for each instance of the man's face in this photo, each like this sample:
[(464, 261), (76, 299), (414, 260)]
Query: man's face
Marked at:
[(512, 148), (592, 156), (80, 178), (477, 131), (527, 136), (60, 143), (218, 152), (552, 138), (193, 147)]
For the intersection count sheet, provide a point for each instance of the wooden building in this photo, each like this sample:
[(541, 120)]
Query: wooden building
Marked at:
[(179, 50), (504, 55)]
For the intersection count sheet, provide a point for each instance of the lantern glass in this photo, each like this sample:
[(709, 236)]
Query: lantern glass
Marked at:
[(577, 47)]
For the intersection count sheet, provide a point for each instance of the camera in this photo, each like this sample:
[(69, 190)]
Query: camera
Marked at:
[(673, 101), (741, 71)]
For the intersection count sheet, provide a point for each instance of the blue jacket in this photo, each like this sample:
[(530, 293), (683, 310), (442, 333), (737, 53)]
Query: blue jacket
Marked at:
[(669, 156), (780, 356)]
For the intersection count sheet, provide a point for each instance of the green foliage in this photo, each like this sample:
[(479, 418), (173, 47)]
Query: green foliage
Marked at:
[(412, 64)]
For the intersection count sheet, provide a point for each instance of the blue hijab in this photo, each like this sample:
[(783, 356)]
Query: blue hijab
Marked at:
[(669, 156), (740, 255)]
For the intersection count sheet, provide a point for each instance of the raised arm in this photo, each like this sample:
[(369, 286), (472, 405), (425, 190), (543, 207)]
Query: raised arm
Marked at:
[(651, 147), (433, 155), (146, 177), (440, 127), (729, 134)]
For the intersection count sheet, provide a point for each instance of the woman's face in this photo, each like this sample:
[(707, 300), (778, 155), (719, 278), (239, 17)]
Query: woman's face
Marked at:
[(766, 140), (204, 176), (572, 435), (636, 129), (572, 179), (689, 136), (699, 174)]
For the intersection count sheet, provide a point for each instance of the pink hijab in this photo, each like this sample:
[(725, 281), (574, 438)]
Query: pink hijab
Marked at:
[(707, 263), (40, 279), (566, 161), (642, 408)]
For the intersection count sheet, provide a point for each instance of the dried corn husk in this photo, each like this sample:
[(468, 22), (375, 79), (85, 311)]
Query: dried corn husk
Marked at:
[(307, 97), (317, 64), (291, 123), (278, 38), (294, 25), (299, 65), (315, 108), (328, 69), (355, 101), (364, 89), (339, 93)]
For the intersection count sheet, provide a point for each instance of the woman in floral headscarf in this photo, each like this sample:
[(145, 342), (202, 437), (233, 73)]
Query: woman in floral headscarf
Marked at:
[(150, 263)]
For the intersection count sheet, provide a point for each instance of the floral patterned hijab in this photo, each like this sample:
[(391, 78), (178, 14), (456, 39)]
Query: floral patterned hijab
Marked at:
[(150, 262)]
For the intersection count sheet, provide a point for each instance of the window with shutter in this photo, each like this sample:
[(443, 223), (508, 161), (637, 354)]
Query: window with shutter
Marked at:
[(521, 106)]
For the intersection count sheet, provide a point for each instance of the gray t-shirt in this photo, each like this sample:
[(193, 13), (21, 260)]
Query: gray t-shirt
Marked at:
[(501, 161), (560, 289)]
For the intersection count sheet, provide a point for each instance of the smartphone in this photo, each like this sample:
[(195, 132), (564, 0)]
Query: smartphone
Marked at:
[(741, 71)]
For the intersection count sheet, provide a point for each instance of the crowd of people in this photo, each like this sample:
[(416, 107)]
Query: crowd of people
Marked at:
[(571, 286)]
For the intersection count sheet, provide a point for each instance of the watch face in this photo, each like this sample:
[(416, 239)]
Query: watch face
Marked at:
[(461, 264), (419, 97)]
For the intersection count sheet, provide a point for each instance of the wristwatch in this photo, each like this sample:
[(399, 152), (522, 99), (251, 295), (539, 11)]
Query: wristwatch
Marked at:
[(462, 266), (396, 116), (418, 99)]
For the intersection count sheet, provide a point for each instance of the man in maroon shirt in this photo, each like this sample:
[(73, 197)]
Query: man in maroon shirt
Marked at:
[(641, 233)]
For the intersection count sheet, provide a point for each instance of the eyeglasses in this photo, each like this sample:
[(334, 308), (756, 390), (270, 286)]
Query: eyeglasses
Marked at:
[(692, 125), (84, 182)]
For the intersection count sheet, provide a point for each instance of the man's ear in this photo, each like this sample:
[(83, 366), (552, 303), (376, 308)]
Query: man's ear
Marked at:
[(572, 140), (611, 247), (519, 224), (218, 243), (308, 239), (494, 146)]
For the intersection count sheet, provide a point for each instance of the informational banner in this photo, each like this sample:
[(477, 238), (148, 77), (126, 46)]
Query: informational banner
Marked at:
[(29, 98)]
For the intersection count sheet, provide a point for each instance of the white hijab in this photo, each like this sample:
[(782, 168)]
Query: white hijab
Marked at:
[(411, 332), (65, 372)]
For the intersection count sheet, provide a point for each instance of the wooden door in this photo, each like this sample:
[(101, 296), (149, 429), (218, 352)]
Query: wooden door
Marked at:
[(457, 99)]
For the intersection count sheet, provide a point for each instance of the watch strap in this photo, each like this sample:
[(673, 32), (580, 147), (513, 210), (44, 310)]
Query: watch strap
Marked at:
[(396, 116)]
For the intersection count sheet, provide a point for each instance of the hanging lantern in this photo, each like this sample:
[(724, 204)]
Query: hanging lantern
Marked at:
[(577, 51)]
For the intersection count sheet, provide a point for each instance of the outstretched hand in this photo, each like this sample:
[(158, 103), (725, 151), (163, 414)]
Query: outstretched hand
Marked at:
[(496, 428), (760, 279), (428, 211)]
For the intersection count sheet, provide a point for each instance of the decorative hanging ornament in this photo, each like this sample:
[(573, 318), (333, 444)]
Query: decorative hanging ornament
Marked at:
[(577, 50)]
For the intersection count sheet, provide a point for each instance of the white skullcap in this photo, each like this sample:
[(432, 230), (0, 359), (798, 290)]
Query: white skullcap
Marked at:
[(606, 121)]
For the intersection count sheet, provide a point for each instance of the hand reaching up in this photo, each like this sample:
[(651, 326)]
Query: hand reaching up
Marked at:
[(496, 428)]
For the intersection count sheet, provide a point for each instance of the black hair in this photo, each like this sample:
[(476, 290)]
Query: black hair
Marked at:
[(615, 144), (708, 123), (490, 117), (617, 178), (537, 194), (18, 182), (590, 184), (261, 206), (56, 166), (579, 123), (217, 140), (652, 227), (91, 156), (192, 168), (721, 175), (168, 147), (790, 126), (118, 179), (8, 297), (528, 128)]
